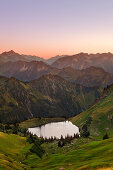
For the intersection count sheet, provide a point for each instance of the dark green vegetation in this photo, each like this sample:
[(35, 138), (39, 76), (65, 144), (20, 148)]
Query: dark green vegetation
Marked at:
[(36, 147), (49, 96), (99, 117)]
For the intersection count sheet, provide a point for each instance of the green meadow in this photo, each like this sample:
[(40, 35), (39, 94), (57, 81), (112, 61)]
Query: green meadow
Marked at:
[(79, 154)]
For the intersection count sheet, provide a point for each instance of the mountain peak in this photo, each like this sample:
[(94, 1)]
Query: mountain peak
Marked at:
[(11, 52)]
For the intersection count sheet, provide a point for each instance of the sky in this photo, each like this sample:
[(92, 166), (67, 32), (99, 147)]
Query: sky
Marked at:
[(47, 28)]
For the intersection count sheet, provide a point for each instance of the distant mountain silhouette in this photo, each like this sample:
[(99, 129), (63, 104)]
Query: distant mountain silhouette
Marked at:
[(84, 60), (84, 69), (13, 56), (27, 71), (53, 59)]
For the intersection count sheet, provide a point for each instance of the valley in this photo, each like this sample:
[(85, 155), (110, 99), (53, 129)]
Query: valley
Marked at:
[(56, 85), (34, 94), (84, 151)]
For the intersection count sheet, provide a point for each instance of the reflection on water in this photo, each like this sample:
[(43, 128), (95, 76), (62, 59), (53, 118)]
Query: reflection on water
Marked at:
[(55, 129)]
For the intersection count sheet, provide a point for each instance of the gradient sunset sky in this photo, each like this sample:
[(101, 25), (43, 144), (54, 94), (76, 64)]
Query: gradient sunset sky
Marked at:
[(56, 27)]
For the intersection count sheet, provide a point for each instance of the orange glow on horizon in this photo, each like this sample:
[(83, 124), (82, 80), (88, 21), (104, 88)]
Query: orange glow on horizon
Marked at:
[(47, 55), (50, 28)]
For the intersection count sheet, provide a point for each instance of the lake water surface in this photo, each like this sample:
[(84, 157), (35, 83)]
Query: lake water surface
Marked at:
[(55, 129)]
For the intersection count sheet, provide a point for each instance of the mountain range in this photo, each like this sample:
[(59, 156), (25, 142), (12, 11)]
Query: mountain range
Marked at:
[(75, 88), (90, 77), (78, 61), (48, 96), (27, 71), (84, 60), (13, 56), (34, 88), (85, 69)]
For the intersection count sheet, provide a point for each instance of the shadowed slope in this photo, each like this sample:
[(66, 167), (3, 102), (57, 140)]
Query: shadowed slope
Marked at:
[(49, 96), (99, 117)]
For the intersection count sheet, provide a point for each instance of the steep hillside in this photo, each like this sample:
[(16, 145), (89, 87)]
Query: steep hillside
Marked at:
[(99, 117), (65, 98), (26, 71), (85, 60), (49, 96), (89, 77), (12, 151), (14, 101)]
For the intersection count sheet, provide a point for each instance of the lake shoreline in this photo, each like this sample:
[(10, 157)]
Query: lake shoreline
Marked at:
[(37, 122)]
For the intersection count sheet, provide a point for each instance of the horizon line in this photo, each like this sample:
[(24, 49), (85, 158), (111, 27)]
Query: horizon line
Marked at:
[(55, 55)]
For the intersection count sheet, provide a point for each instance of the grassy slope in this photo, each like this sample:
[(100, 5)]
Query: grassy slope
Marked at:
[(95, 154), (81, 153), (101, 114), (12, 148)]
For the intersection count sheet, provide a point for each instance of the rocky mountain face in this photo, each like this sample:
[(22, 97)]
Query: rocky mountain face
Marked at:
[(53, 59), (84, 60), (79, 61), (27, 71), (49, 96), (13, 56), (89, 77)]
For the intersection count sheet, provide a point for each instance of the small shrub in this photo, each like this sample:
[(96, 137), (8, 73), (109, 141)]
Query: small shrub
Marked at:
[(105, 136), (60, 143), (37, 149)]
